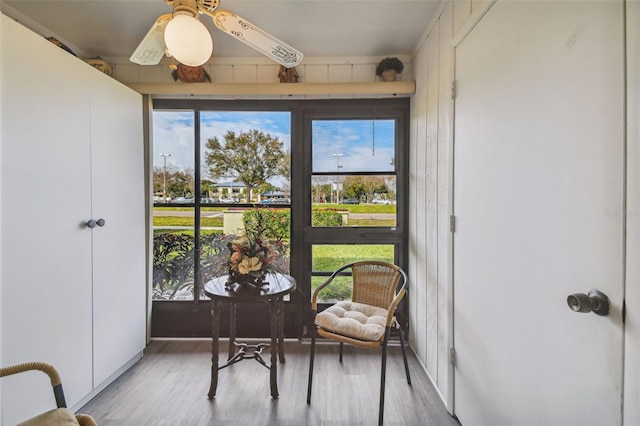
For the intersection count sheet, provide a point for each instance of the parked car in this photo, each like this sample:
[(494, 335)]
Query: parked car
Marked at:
[(275, 201), (380, 201), (350, 201), (280, 201), (183, 200)]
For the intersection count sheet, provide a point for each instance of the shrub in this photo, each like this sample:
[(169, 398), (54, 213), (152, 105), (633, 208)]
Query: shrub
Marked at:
[(271, 224), (326, 218), (173, 261)]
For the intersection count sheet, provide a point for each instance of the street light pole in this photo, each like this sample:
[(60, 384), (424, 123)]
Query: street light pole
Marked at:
[(164, 177), (338, 160), (338, 166)]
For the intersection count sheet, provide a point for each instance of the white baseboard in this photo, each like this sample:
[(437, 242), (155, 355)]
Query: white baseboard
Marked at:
[(76, 407)]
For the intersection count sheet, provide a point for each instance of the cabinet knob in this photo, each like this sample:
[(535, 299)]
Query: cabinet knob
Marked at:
[(92, 223)]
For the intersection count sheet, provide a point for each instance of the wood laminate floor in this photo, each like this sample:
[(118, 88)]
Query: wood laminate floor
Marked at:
[(169, 386)]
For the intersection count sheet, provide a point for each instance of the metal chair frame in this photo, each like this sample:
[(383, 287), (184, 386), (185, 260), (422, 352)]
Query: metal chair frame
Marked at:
[(391, 301), (56, 384)]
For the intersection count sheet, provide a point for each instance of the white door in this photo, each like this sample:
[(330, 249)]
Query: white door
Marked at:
[(538, 199), (45, 188), (117, 170)]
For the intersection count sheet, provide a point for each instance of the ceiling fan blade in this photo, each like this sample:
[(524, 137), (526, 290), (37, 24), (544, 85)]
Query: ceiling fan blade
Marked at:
[(152, 47), (257, 38)]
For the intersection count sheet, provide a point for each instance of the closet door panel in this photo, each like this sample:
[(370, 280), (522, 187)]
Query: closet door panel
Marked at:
[(45, 190), (117, 167)]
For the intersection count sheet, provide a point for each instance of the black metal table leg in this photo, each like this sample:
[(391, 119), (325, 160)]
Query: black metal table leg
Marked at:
[(281, 329), (232, 330), (215, 335), (275, 313)]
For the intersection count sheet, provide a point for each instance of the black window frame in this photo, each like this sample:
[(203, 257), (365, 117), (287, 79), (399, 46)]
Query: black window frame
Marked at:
[(191, 318)]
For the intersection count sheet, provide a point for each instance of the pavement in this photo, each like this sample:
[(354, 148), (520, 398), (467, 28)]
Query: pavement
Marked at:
[(189, 213)]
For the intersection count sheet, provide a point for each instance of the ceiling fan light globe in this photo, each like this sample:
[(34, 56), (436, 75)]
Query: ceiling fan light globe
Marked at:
[(188, 40)]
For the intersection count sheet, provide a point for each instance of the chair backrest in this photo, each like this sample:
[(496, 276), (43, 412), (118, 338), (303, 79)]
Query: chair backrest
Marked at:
[(375, 283)]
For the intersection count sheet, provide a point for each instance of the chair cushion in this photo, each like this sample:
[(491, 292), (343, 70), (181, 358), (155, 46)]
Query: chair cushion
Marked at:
[(355, 320), (57, 417)]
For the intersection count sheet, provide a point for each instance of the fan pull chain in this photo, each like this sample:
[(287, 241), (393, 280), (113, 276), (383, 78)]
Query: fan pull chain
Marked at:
[(373, 135), (172, 65)]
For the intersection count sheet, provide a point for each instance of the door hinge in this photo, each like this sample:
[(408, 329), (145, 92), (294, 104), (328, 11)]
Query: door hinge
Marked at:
[(452, 356), (624, 310), (453, 90), (452, 223)]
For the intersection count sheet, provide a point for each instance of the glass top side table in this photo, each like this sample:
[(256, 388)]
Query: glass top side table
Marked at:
[(279, 285)]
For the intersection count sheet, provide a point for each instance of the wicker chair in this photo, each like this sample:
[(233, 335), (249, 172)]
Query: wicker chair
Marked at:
[(58, 416), (367, 319)]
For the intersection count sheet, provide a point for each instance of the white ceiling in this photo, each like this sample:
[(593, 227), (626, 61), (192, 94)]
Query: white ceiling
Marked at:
[(113, 28)]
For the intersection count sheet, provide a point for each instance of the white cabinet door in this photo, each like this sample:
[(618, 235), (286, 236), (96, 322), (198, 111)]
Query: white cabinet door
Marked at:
[(45, 190), (539, 178), (117, 169)]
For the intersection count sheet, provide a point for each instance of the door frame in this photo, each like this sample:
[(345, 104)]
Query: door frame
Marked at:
[(631, 363), (469, 24)]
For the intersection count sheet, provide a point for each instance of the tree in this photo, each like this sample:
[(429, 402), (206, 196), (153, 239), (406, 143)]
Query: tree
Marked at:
[(207, 188), (251, 157), (364, 186), (180, 183), (353, 187)]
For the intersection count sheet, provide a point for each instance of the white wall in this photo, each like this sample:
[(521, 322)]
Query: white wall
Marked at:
[(431, 332)]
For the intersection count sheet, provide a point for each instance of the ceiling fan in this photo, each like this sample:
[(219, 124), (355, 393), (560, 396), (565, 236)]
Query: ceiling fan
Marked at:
[(181, 34)]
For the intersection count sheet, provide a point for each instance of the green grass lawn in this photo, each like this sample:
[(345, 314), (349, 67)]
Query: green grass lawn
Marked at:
[(358, 208), (328, 258), (186, 221), (218, 221)]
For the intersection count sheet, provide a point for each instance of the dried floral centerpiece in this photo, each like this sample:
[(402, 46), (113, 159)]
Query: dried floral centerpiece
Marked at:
[(251, 259)]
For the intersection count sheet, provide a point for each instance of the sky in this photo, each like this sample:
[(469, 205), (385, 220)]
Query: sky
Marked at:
[(354, 145)]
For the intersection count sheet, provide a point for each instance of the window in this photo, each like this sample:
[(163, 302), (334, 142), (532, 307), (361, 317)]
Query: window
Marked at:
[(338, 196), (357, 151), (353, 178), (193, 216), (174, 214), (326, 258)]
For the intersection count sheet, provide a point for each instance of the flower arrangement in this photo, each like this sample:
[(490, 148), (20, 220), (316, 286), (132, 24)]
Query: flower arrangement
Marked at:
[(250, 260)]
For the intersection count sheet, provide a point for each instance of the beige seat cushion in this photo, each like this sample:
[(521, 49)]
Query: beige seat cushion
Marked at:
[(57, 417), (355, 320)]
